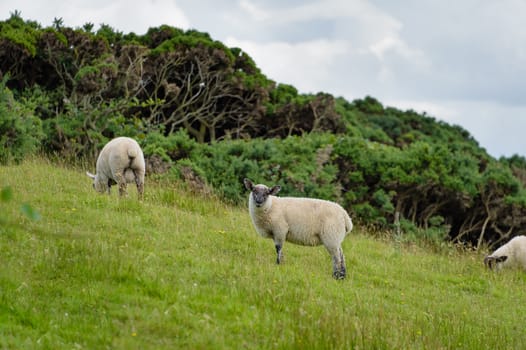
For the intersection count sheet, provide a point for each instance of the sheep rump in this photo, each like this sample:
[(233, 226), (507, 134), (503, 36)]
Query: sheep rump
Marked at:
[(511, 254), (303, 221), (121, 161)]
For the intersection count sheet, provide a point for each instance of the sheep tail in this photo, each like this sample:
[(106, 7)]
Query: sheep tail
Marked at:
[(348, 224), (132, 153)]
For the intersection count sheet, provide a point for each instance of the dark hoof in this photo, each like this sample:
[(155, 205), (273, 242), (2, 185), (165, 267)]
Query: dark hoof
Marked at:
[(339, 275)]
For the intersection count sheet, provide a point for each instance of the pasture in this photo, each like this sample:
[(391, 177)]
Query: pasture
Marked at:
[(181, 270)]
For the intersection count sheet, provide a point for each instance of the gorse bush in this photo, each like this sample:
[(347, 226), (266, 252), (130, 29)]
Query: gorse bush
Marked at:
[(302, 165), (435, 187), (81, 131), (207, 112), (169, 148), (20, 130)]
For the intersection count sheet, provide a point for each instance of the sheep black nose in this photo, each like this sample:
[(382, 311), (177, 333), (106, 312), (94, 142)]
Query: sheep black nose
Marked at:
[(259, 200)]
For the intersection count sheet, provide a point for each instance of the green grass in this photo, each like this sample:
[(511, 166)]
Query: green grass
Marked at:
[(181, 271)]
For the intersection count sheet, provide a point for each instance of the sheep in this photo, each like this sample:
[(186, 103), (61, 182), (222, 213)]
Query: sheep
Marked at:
[(120, 162), (511, 254), (303, 221)]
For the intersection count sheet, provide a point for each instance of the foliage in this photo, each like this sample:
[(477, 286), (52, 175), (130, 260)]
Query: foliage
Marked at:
[(20, 130), (301, 165), (290, 113), (23, 35), (170, 148), (82, 130)]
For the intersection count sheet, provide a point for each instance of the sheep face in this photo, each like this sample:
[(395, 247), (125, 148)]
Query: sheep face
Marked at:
[(495, 262), (260, 193), (98, 185)]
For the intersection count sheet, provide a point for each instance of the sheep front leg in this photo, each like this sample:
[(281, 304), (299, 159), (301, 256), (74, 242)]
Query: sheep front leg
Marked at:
[(279, 253), (278, 243), (279, 234)]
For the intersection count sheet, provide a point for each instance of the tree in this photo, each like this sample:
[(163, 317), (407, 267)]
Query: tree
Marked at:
[(198, 89)]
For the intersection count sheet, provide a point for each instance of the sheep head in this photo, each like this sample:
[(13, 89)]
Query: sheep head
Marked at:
[(493, 261), (260, 192), (98, 185)]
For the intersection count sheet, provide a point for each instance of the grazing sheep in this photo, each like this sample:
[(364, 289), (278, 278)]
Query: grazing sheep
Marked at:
[(511, 254), (120, 162), (304, 221)]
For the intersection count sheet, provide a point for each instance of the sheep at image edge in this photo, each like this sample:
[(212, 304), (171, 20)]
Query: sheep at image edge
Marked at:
[(511, 254), (303, 221), (120, 162)]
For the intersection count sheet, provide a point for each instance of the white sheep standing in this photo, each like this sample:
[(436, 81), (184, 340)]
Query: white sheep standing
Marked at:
[(511, 254), (304, 221), (121, 161)]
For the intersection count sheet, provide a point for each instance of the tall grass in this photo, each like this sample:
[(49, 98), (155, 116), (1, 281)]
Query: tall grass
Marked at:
[(179, 270)]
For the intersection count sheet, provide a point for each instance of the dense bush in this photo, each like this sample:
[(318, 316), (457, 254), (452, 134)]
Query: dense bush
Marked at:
[(206, 113), (302, 165), (81, 130), (20, 130), (436, 190)]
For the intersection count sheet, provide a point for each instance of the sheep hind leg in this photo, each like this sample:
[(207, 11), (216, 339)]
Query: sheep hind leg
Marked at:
[(343, 268), (140, 190), (140, 184), (121, 181), (339, 270)]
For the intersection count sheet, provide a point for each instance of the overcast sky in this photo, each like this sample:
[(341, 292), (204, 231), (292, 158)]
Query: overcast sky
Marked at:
[(462, 61)]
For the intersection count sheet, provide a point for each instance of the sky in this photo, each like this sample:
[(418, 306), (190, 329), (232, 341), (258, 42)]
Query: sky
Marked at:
[(463, 62)]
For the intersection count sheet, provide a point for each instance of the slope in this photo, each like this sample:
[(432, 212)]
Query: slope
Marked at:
[(183, 271)]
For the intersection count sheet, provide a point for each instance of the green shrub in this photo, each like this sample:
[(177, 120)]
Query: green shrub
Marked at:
[(82, 130), (170, 148), (434, 236), (301, 165), (20, 131)]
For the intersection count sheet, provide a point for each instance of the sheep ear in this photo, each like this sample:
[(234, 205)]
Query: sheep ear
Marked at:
[(90, 174), (248, 184), (274, 190), (501, 258)]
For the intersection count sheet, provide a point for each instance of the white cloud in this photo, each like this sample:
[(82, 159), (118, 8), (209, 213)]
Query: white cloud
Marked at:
[(254, 12), (371, 21), (394, 44), (305, 65), (361, 10)]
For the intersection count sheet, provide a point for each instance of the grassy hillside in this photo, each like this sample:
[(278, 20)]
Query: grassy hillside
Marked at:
[(182, 271)]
